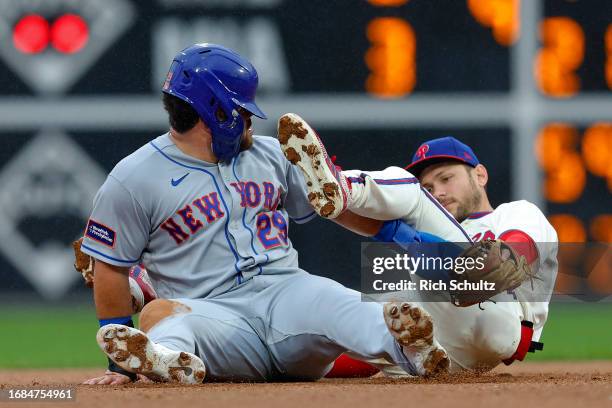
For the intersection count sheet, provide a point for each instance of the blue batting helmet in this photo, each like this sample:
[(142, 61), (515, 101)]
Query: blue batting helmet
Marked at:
[(216, 81)]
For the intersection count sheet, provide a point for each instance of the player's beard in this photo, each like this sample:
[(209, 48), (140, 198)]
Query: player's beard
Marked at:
[(471, 203), (247, 137), (246, 142)]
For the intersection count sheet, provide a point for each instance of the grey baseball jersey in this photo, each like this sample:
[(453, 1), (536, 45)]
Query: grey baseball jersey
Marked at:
[(199, 228), (215, 238)]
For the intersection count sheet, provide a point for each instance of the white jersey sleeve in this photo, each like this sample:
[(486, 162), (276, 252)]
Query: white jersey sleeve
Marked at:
[(118, 228), (394, 193), (526, 217)]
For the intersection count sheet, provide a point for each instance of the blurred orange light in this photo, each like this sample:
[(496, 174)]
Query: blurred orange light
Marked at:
[(601, 228), (599, 268), (391, 58), (553, 142), (31, 34), (569, 228), (566, 183), (501, 15), (567, 282), (562, 54), (69, 34), (565, 173), (388, 3), (597, 150)]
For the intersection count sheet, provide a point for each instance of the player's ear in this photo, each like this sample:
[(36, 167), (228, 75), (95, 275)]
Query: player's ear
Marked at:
[(202, 126), (482, 176)]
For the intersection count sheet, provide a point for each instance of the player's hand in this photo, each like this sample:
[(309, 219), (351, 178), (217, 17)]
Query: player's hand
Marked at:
[(111, 378)]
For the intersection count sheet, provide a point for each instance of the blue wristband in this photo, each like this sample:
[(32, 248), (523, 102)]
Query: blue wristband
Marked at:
[(397, 231), (125, 320), (418, 243), (426, 237)]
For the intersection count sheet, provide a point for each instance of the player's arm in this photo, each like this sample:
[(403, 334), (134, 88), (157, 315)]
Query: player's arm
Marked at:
[(113, 303), (367, 227), (397, 231), (394, 193), (416, 243), (112, 291), (116, 234)]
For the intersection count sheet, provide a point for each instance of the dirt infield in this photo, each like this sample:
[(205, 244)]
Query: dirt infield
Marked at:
[(523, 384)]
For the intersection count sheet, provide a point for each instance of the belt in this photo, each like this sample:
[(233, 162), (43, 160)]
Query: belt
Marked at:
[(526, 345)]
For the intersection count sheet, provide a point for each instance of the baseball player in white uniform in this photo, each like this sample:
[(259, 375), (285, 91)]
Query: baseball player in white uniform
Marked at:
[(206, 209), (441, 192)]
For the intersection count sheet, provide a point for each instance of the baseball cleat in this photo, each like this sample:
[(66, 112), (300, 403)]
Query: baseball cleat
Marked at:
[(328, 190), (412, 327), (132, 350), (141, 287)]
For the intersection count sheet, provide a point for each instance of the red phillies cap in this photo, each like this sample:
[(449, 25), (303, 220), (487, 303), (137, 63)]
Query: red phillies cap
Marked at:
[(441, 150)]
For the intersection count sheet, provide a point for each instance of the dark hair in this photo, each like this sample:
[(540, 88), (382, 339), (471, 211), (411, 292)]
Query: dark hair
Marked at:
[(181, 115)]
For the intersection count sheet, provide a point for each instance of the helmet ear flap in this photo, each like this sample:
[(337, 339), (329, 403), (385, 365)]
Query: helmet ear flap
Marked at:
[(218, 111), (220, 115)]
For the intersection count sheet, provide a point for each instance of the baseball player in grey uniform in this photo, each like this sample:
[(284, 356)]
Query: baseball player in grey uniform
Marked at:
[(206, 208)]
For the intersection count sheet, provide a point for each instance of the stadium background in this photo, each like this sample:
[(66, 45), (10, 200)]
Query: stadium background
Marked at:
[(527, 87)]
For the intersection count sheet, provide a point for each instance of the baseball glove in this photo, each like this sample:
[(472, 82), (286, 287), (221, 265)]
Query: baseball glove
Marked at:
[(83, 263), (496, 268)]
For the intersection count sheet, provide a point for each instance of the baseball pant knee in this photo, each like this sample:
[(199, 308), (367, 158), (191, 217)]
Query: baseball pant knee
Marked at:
[(497, 335), (226, 343), (159, 309)]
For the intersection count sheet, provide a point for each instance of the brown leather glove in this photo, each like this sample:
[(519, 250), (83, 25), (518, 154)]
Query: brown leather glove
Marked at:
[(83, 263), (494, 262)]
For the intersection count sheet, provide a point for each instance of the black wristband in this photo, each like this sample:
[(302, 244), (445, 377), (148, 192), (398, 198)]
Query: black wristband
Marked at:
[(112, 366)]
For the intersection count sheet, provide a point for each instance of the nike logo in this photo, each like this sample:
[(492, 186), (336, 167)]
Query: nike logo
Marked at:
[(177, 182)]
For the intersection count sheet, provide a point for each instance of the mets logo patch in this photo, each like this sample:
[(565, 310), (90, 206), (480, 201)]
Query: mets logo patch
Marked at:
[(100, 233)]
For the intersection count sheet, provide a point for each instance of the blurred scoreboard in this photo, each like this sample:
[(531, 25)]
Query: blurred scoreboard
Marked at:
[(80, 81), (387, 48)]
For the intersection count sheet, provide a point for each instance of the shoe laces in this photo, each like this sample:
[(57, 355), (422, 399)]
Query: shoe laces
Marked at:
[(333, 160)]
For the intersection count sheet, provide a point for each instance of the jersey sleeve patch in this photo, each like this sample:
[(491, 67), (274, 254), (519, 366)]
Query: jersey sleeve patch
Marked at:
[(522, 243), (100, 233)]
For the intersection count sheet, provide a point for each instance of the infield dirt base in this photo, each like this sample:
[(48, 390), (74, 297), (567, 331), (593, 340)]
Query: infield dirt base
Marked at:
[(520, 385)]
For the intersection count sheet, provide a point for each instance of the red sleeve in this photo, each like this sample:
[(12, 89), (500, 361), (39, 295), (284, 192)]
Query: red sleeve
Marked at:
[(521, 243), (346, 367)]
